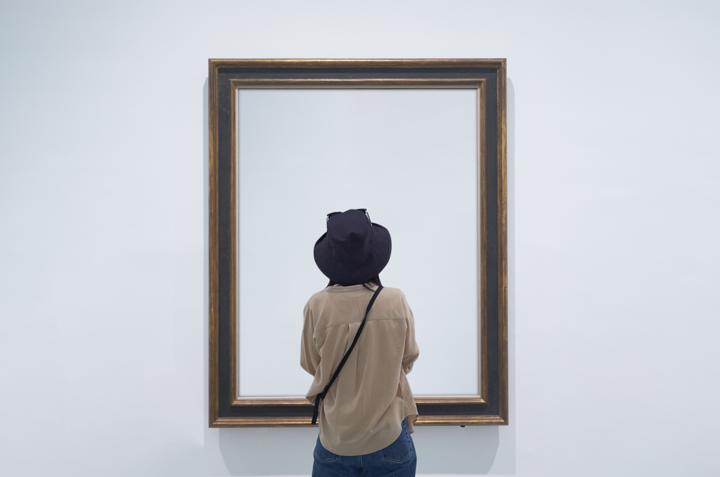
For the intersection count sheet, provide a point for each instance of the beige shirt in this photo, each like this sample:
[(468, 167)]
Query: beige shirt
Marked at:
[(363, 410)]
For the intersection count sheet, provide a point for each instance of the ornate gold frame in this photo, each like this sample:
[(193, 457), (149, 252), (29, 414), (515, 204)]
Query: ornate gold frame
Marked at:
[(225, 77)]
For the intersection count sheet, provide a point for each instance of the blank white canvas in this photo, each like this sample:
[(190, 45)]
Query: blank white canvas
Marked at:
[(407, 155)]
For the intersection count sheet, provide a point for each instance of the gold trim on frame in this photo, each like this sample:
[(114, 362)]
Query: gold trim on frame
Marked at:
[(325, 83)]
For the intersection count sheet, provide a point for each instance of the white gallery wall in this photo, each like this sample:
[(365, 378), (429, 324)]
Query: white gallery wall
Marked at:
[(614, 192)]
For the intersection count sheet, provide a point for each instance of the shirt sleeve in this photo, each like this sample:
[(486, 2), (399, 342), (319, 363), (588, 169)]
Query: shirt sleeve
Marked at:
[(412, 351), (309, 356)]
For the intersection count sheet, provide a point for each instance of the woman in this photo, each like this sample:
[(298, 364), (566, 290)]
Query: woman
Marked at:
[(368, 411)]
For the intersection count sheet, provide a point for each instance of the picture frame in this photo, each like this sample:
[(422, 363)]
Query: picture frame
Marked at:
[(487, 78)]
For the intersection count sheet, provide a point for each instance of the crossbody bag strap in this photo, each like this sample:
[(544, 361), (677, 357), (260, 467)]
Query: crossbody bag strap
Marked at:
[(347, 353)]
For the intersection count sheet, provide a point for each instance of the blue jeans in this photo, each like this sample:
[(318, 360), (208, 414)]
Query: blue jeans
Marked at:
[(397, 459)]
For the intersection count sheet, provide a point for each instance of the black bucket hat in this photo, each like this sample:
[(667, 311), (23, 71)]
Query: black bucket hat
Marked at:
[(354, 249)]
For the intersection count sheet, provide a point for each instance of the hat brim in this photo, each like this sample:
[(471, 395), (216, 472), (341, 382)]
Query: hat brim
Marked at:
[(344, 275)]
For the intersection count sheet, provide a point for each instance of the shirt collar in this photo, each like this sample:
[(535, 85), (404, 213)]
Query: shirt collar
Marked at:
[(357, 286)]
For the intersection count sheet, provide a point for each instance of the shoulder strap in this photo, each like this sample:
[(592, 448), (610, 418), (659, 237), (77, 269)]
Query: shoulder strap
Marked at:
[(347, 353)]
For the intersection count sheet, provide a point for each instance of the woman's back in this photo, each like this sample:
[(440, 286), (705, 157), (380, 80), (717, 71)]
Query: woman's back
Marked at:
[(364, 408)]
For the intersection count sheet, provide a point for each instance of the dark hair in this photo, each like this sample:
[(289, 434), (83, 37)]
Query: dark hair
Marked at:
[(375, 280)]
